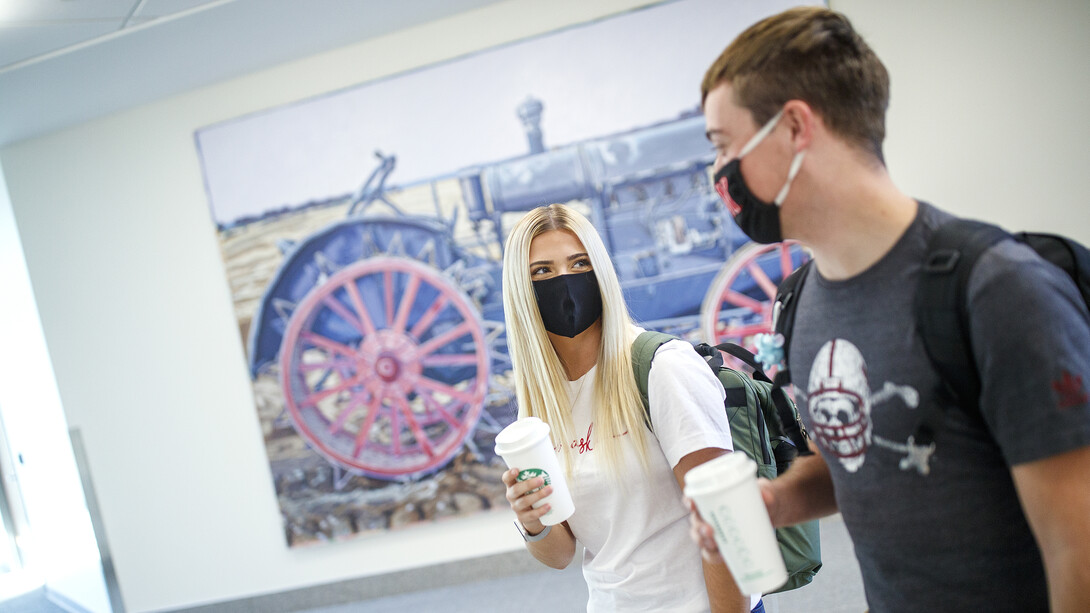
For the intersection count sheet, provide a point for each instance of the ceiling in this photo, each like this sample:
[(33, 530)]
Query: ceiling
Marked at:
[(63, 62)]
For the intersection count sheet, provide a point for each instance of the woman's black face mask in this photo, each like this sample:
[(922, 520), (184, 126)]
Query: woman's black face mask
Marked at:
[(569, 304)]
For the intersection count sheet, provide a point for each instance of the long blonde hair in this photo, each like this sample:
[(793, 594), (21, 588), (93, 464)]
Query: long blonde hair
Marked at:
[(540, 379)]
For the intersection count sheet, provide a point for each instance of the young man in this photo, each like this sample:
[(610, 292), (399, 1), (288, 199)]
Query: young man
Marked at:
[(995, 516)]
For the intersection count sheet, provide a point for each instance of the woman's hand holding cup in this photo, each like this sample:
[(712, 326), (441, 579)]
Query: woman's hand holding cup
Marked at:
[(522, 495), (535, 475)]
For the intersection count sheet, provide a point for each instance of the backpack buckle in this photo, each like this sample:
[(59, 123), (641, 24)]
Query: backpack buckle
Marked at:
[(777, 308), (710, 354), (942, 262)]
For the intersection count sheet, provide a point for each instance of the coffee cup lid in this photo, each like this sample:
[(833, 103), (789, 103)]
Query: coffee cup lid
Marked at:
[(719, 473), (521, 434)]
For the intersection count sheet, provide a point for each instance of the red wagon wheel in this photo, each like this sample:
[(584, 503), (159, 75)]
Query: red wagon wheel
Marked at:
[(384, 368), (738, 304)]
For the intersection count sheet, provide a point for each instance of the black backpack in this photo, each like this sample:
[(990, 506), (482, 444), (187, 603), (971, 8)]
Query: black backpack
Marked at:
[(764, 424), (941, 310)]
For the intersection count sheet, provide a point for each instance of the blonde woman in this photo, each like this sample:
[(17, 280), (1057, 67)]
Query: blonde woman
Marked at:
[(570, 337)]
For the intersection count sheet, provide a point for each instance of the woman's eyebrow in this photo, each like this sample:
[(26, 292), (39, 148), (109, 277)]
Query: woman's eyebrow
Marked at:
[(572, 257)]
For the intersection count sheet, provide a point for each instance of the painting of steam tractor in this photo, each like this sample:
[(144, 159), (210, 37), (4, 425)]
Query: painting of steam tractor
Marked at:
[(388, 328), (381, 334)]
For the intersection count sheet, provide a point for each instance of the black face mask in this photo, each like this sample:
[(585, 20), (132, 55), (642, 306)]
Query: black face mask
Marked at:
[(760, 220), (569, 304)]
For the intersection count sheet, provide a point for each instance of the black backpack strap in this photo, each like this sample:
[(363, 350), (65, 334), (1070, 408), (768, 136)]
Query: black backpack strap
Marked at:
[(783, 323), (735, 395), (942, 315), (746, 357), (1071, 256), (783, 312), (785, 414)]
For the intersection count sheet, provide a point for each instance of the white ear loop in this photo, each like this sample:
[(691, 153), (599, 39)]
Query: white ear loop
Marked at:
[(760, 135), (796, 163)]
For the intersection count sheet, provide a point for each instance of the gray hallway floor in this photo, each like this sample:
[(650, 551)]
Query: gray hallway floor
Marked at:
[(836, 589)]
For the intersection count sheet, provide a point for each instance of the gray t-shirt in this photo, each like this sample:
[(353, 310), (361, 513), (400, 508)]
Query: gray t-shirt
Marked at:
[(942, 531)]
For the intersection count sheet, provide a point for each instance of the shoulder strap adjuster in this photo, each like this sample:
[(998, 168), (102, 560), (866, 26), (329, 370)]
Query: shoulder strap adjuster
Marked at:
[(942, 261)]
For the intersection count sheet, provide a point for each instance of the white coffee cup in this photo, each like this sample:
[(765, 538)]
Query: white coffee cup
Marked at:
[(726, 494), (525, 444)]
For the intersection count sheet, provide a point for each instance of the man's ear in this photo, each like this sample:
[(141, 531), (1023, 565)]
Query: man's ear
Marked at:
[(799, 117)]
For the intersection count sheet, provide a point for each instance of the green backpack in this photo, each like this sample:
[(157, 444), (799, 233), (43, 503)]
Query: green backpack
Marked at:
[(759, 432)]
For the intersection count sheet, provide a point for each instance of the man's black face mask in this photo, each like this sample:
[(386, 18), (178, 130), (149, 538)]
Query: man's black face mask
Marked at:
[(759, 220)]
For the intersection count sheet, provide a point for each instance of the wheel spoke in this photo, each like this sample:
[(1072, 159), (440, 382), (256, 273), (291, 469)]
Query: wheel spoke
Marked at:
[(744, 331), (368, 423), (356, 400), (332, 364), (458, 331), (395, 431), (328, 344), (361, 310), (443, 388), (766, 284), (388, 290), (414, 426), (449, 359), (338, 308), (435, 407), (318, 396), (785, 260), (742, 300), (407, 301), (424, 322)]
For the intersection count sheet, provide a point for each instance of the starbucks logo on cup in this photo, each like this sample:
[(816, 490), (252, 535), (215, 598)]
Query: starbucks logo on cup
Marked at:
[(530, 473)]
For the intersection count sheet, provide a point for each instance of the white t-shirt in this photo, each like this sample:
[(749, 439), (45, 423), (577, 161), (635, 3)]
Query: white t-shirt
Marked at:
[(638, 555)]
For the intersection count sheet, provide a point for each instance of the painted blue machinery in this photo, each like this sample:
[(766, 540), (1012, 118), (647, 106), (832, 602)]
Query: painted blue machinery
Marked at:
[(386, 334)]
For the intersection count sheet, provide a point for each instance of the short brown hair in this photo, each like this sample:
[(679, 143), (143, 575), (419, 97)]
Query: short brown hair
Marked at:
[(814, 55)]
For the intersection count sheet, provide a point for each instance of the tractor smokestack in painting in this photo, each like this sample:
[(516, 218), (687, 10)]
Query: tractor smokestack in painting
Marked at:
[(530, 114)]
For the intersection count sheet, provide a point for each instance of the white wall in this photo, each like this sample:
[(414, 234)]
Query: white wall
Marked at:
[(136, 311), (987, 117)]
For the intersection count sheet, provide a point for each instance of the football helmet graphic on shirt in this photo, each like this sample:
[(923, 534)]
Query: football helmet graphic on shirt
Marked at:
[(839, 402)]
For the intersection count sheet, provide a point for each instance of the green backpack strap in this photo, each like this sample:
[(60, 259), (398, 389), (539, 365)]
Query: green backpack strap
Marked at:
[(643, 351)]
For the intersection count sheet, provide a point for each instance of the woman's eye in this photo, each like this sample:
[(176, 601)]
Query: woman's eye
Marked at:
[(540, 270), (581, 264)]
